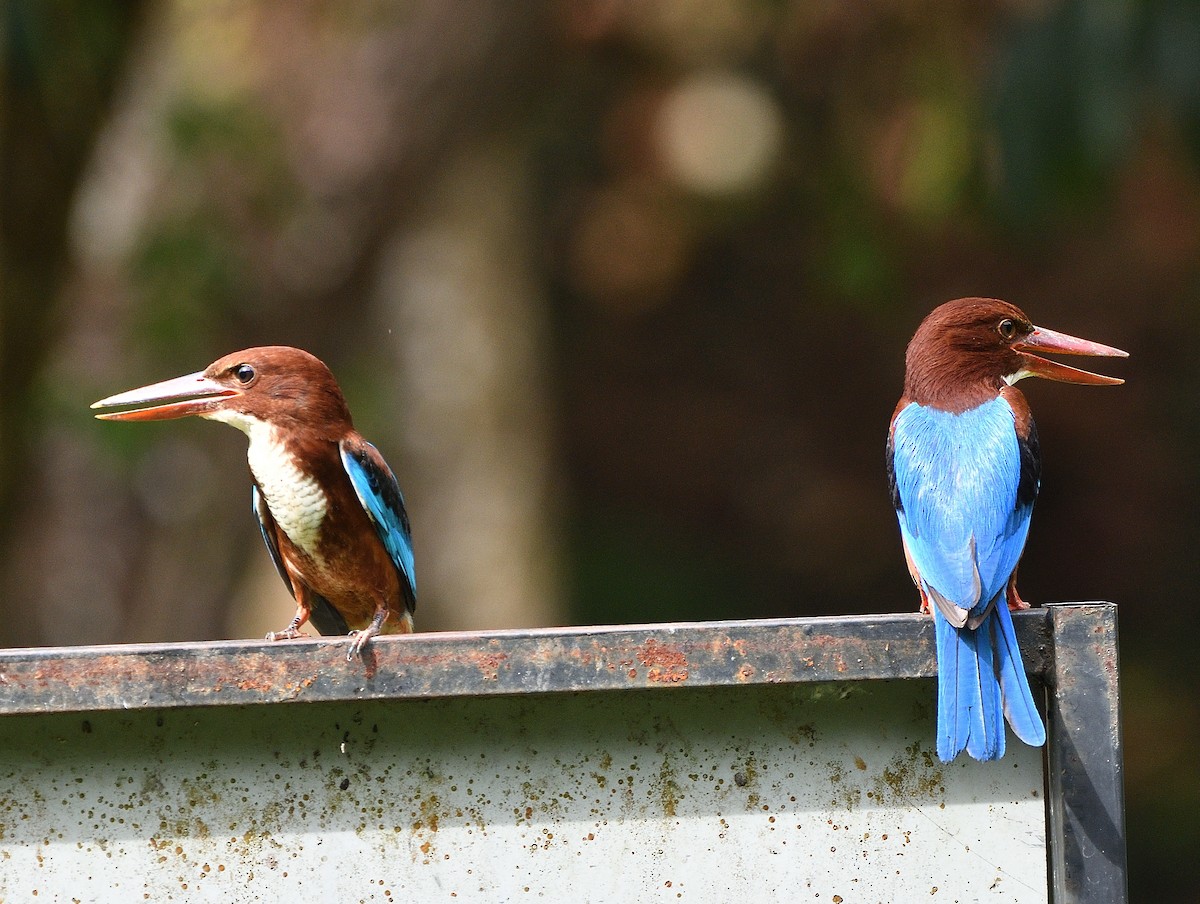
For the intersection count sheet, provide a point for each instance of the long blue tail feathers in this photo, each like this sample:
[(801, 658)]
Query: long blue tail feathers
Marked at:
[(981, 682), (1019, 707)]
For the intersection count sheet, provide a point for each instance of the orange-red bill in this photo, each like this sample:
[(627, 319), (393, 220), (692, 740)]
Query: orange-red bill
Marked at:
[(1050, 341), (174, 398)]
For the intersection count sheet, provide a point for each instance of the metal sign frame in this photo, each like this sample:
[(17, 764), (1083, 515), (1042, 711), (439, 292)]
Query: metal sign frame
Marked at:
[(1070, 649)]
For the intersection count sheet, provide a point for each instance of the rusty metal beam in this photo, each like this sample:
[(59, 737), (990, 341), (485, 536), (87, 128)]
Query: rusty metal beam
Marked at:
[(518, 679), (701, 654)]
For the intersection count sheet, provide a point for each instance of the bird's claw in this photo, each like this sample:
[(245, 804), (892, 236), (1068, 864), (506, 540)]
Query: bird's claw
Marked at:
[(361, 637), (291, 632), (360, 641)]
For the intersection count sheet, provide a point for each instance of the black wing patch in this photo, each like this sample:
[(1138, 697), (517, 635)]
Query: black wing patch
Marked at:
[(1031, 467), (893, 489), (266, 526)]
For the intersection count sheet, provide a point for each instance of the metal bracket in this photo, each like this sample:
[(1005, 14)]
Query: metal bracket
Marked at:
[(1086, 797)]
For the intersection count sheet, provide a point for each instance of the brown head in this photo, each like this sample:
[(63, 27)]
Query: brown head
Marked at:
[(966, 351), (276, 384)]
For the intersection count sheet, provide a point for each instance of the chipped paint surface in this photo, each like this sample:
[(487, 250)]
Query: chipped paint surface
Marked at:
[(765, 793)]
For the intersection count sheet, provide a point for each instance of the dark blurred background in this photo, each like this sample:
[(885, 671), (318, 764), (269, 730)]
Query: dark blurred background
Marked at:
[(620, 287)]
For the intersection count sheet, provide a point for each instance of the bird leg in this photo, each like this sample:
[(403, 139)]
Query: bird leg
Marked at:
[(916, 579), (924, 609), (1015, 603), (292, 631), (361, 637)]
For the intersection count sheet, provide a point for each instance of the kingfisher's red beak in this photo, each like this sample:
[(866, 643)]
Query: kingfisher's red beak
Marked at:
[(1050, 341), (178, 397)]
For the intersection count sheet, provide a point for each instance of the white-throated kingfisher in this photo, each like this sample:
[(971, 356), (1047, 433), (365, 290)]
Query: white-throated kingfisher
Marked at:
[(964, 468), (329, 507)]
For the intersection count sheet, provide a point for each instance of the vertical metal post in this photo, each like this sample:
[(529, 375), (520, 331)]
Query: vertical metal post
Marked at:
[(1084, 757)]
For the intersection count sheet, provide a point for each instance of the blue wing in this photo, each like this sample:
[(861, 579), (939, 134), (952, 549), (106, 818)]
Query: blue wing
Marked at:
[(321, 614), (963, 504), (377, 490)]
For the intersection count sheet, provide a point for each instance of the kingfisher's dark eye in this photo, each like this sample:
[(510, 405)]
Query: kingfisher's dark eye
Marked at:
[(1007, 328), (244, 373)]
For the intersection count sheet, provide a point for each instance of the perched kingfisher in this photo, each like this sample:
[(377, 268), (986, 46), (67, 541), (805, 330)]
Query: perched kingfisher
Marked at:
[(329, 507), (964, 468)]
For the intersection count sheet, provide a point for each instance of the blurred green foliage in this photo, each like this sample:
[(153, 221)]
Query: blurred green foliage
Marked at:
[(191, 270), (188, 274)]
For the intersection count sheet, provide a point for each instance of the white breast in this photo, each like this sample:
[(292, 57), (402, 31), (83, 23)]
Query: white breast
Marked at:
[(296, 501)]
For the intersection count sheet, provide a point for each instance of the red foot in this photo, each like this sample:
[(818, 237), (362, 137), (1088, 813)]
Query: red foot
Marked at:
[(1015, 603)]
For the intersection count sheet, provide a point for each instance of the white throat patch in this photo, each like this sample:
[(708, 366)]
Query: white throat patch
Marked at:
[(297, 502), (1013, 379)]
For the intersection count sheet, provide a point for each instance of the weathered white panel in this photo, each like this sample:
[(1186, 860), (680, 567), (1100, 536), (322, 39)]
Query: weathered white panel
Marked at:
[(759, 793)]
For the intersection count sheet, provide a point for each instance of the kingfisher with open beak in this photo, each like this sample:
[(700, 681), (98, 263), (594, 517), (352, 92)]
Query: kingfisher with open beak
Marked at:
[(329, 507), (964, 468)]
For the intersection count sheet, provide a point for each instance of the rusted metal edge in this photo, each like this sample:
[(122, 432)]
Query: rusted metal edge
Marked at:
[(695, 654)]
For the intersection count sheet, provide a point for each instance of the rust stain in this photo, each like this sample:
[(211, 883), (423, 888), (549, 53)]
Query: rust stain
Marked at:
[(669, 792), (426, 825), (915, 776), (846, 796), (745, 673), (666, 676), (585, 657), (664, 664), (262, 685), (370, 662), (805, 733), (488, 663)]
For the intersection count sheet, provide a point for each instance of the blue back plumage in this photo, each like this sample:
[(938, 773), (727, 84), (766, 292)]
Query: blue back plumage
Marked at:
[(377, 490), (957, 476), (964, 486)]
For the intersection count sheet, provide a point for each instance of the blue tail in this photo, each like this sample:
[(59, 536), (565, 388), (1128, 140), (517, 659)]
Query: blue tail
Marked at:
[(981, 681), (1019, 707)]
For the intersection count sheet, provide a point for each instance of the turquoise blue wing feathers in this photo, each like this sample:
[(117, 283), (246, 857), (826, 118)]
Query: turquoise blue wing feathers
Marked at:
[(380, 496)]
